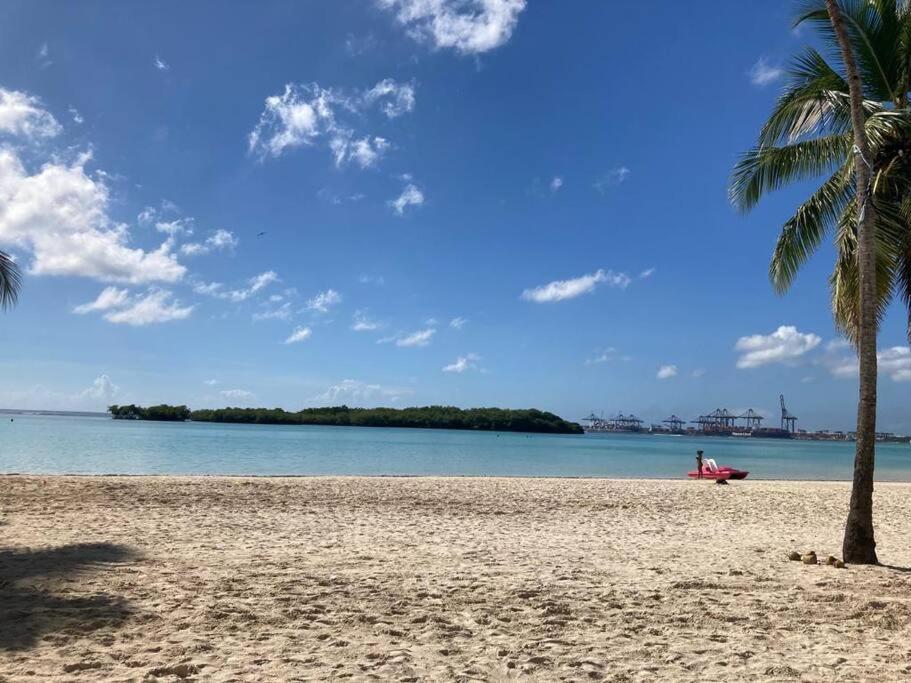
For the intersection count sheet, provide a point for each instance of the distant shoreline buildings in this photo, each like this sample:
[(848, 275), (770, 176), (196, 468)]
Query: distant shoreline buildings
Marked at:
[(722, 422)]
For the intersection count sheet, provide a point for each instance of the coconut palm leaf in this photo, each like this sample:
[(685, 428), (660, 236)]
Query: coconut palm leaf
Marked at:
[(10, 281)]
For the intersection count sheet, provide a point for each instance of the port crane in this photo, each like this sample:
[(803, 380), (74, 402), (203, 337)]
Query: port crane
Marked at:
[(788, 420)]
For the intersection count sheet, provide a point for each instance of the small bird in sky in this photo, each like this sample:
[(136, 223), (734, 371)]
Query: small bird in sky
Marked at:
[(261, 233)]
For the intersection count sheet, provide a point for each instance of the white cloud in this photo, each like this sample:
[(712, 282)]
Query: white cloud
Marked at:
[(77, 117), (362, 323), (560, 290), (411, 196), (612, 178), (110, 297), (306, 114), (458, 323), (894, 361), (463, 363), (298, 335), (237, 395), (357, 392), (762, 73), (322, 302), (22, 114), (219, 240), (160, 64), (467, 26), (784, 345), (666, 372), (102, 389), (556, 183), (60, 215), (698, 372), (254, 285), (394, 98), (178, 226), (647, 273), (155, 306), (210, 382), (366, 152), (419, 338)]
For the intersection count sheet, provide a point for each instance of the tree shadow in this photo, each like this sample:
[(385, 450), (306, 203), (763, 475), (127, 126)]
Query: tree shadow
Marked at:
[(894, 568), (33, 588)]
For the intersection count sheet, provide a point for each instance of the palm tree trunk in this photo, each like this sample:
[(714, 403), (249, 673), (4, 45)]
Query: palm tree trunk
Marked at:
[(859, 545)]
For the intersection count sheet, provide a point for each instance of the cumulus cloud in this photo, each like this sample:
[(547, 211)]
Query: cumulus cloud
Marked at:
[(458, 323), (322, 302), (220, 240), (60, 215), (298, 335), (463, 363), (786, 344), (102, 389), (666, 372), (467, 26), (304, 115), (561, 290), (762, 73), (556, 183), (21, 114), (160, 64), (155, 306), (415, 339), (77, 117), (410, 196), (894, 361), (110, 297), (356, 392), (647, 273)]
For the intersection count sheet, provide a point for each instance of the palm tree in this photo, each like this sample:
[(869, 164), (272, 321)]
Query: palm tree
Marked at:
[(10, 281), (856, 130)]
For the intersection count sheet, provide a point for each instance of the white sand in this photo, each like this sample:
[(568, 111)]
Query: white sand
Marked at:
[(223, 579)]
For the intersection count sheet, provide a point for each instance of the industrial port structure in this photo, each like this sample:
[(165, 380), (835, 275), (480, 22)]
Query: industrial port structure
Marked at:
[(719, 422)]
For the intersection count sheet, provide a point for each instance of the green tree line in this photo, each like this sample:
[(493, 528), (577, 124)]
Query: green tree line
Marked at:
[(429, 417), (161, 413)]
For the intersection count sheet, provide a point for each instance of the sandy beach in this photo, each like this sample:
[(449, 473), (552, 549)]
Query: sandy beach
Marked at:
[(217, 579)]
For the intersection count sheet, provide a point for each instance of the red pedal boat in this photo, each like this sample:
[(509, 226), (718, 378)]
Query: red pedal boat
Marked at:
[(711, 471)]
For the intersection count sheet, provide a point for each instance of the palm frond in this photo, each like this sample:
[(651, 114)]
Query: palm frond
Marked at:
[(815, 99), (802, 234), (844, 282), (765, 169), (873, 29), (10, 281)]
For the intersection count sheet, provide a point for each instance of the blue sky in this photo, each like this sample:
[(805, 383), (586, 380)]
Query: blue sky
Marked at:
[(523, 206)]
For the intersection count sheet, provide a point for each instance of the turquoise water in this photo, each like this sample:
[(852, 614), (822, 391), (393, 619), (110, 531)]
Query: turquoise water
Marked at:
[(97, 445)]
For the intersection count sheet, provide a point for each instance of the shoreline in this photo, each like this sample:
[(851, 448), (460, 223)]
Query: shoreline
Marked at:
[(456, 477)]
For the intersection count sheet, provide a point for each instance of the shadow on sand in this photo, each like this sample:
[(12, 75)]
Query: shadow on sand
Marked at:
[(30, 610)]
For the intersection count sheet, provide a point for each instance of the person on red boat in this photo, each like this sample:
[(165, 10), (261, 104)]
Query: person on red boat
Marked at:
[(699, 464)]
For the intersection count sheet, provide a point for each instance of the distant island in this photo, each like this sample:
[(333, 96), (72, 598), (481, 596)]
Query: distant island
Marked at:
[(429, 417)]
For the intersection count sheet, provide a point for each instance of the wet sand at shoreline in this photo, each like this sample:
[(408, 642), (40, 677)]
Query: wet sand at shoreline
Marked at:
[(218, 578)]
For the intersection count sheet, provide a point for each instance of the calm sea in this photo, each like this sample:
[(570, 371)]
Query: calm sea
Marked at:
[(99, 445)]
